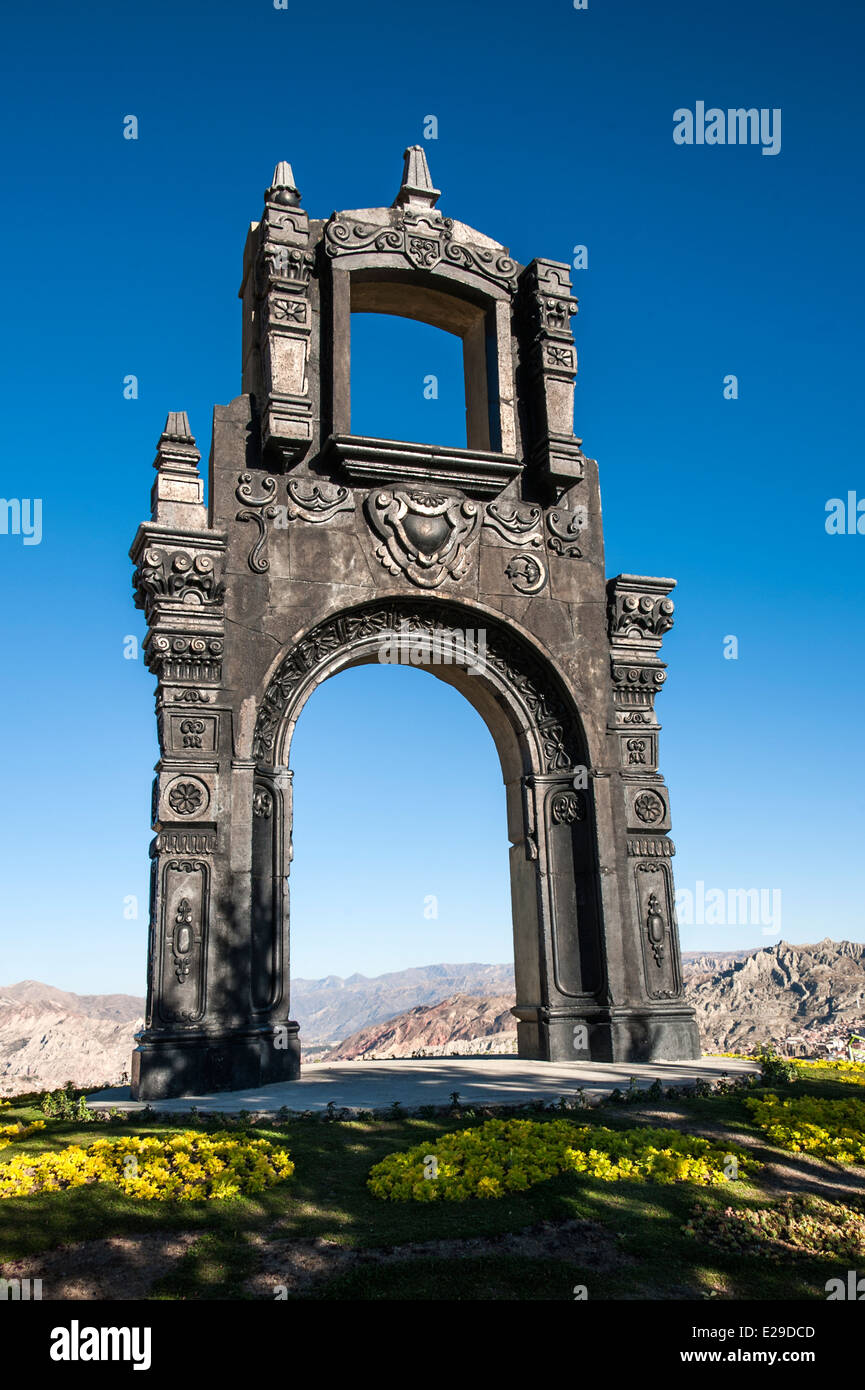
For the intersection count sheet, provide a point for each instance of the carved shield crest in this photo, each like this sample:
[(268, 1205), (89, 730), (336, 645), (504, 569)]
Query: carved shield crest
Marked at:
[(423, 241), (424, 535), (422, 251)]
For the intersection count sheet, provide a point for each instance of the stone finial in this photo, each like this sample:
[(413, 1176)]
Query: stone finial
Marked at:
[(178, 492), (416, 189), (283, 188), (177, 429), (176, 451)]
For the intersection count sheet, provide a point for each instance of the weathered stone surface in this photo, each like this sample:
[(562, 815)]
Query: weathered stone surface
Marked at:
[(320, 550)]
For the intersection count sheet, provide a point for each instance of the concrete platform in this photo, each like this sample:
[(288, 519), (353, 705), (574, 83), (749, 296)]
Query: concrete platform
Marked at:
[(430, 1081)]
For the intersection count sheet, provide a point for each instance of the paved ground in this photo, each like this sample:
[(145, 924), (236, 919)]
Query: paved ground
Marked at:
[(415, 1082)]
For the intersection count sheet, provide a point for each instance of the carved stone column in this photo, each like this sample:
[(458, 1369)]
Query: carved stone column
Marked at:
[(178, 583), (640, 612)]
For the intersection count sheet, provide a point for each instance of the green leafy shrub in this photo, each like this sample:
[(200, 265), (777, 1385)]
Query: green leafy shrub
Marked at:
[(502, 1156), (65, 1105), (774, 1069)]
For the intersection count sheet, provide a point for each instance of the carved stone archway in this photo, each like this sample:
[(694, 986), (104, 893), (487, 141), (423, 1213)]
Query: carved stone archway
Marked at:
[(558, 959), (315, 547)]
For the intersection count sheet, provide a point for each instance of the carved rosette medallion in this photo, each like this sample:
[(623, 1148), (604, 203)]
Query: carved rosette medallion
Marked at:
[(424, 534), (649, 808), (186, 796)]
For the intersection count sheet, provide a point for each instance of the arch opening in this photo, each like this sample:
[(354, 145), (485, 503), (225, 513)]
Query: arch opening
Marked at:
[(423, 874), (550, 824)]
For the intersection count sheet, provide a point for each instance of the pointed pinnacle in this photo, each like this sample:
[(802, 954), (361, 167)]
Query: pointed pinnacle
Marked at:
[(176, 449), (283, 189), (416, 189)]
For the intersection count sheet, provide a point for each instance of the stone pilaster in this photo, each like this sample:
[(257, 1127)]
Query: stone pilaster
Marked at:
[(278, 317), (639, 613), (179, 584), (547, 306)]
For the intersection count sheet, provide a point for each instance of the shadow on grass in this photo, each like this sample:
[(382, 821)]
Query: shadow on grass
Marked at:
[(327, 1199)]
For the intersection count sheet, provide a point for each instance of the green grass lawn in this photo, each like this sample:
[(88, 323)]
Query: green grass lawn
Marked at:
[(645, 1251)]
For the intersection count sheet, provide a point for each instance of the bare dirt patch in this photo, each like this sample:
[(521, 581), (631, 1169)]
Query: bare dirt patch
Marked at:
[(296, 1264), (118, 1268)]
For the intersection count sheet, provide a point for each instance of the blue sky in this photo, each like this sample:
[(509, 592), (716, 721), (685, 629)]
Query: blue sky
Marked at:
[(554, 129)]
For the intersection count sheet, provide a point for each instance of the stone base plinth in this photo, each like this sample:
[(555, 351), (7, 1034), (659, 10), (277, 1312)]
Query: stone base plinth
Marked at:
[(176, 1066), (621, 1035)]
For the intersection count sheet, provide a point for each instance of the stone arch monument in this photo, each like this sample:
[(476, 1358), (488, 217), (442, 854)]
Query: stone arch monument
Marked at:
[(319, 550)]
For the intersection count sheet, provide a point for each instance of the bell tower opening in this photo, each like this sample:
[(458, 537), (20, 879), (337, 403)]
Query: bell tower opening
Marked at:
[(407, 380)]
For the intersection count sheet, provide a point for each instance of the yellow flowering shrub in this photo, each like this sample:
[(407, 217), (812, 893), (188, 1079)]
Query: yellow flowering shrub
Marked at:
[(805, 1124), (835, 1070), (9, 1133), (188, 1167), (503, 1156)]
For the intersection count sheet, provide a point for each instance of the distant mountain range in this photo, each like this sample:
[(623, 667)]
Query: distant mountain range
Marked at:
[(120, 1008), (329, 1010), (810, 996), (806, 998)]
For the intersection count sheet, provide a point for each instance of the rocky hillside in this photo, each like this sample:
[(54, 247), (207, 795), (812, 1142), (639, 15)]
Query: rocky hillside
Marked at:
[(49, 1036), (781, 994), (460, 1025)]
